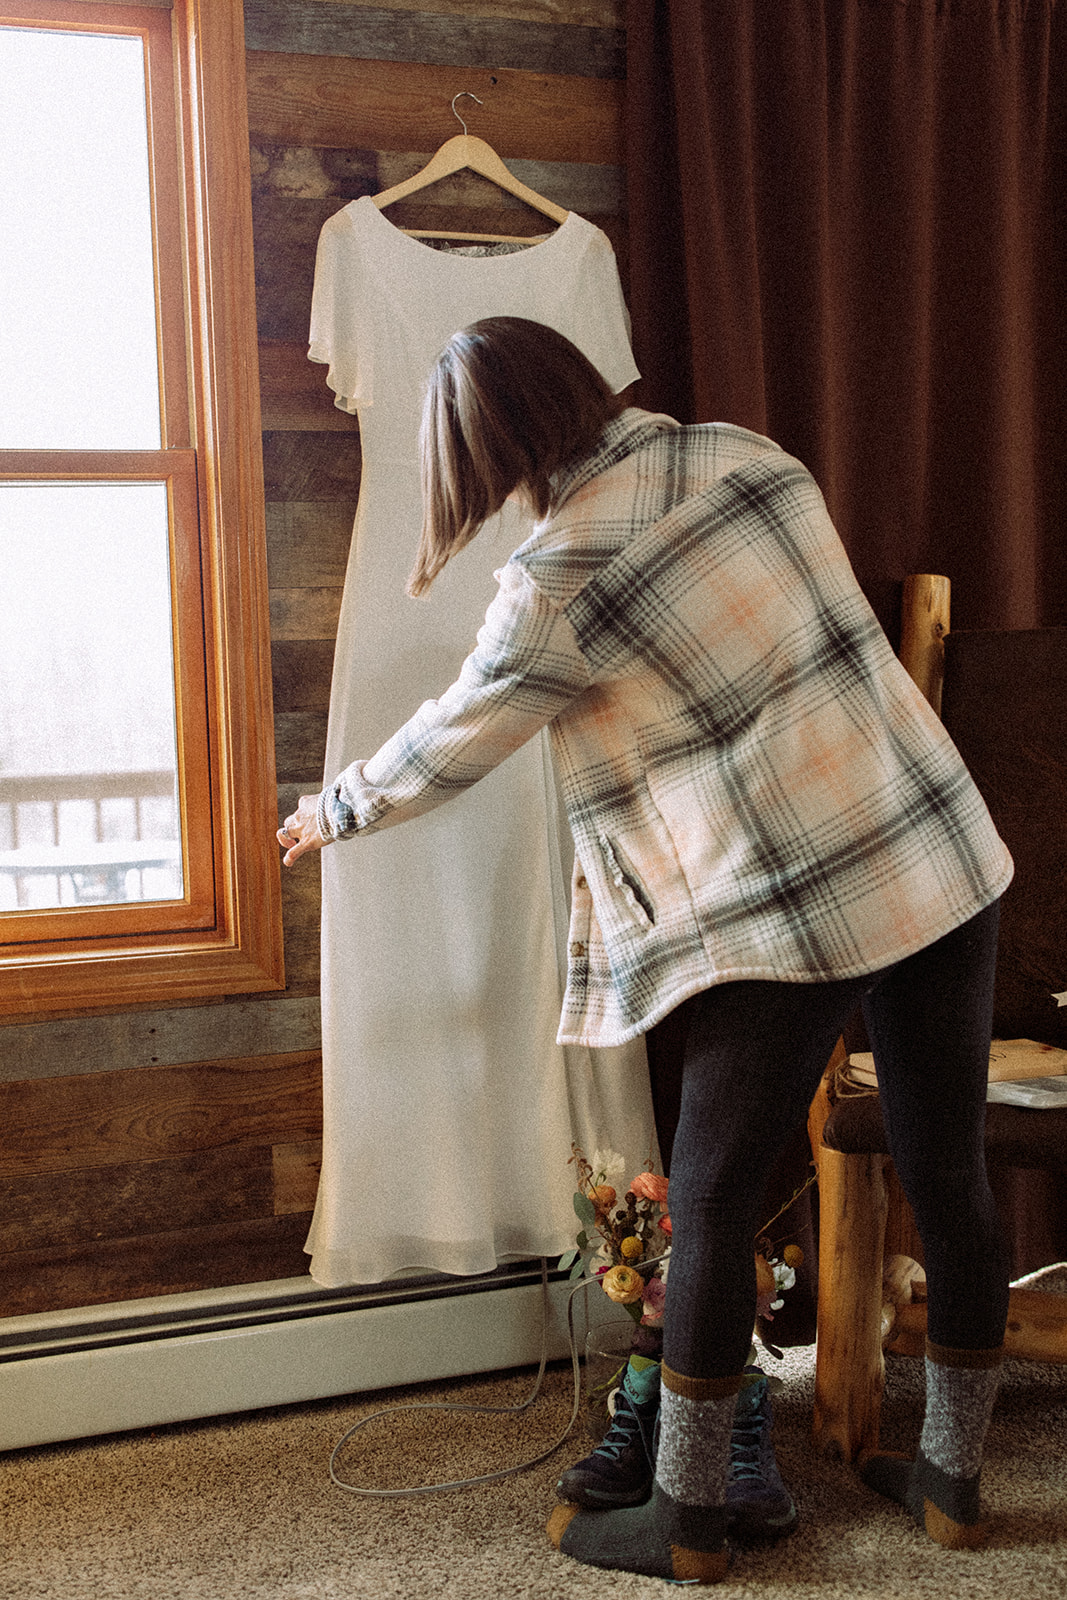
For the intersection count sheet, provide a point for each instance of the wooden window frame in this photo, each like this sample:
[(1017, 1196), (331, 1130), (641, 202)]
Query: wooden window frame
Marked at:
[(224, 936)]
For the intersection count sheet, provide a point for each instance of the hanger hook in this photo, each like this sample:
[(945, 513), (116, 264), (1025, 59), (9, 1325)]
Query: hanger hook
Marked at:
[(459, 96)]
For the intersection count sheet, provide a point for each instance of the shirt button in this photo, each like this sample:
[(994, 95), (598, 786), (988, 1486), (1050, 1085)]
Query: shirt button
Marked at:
[(578, 948)]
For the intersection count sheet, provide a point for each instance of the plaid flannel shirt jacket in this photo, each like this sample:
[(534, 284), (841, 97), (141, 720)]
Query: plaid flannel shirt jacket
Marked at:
[(756, 788)]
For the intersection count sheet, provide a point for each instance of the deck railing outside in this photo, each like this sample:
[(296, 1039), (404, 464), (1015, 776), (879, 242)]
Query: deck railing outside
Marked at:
[(88, 839)]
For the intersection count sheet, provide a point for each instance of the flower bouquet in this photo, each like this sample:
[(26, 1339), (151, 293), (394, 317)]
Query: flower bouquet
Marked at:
[(622, 1243), (625, 1244)]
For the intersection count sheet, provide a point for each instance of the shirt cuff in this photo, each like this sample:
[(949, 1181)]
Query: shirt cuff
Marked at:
[(322, 817), (340, 814), (335, 818)]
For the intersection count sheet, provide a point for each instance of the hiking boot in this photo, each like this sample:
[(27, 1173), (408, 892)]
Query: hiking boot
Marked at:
[(619, 1471), (758, 1504)]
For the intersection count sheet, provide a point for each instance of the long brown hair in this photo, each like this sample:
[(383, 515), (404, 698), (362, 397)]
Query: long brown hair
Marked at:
[(510, 403)]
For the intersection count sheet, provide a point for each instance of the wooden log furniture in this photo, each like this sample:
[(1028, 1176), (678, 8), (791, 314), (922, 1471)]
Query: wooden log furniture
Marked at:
[(1003, 697)]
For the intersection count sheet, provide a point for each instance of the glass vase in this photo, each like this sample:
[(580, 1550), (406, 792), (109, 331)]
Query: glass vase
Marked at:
[(607, 1350)]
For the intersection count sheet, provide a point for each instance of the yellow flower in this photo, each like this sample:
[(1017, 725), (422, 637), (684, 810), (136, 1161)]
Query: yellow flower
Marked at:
[(793, 1256), (631, 1249), (623, 1285), (602, 1196)]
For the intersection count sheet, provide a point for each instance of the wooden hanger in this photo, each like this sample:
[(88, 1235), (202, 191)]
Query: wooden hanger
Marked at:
[(462, 151)]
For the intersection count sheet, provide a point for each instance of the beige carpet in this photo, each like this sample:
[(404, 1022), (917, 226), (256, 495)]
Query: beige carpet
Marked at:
[(242, 1508)]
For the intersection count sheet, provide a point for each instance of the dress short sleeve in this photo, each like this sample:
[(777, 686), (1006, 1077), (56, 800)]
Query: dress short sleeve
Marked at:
[(335, 300), (595, 317)]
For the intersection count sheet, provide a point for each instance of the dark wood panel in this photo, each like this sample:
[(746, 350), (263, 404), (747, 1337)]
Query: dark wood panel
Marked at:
[(302, 891), (293, 392), (109, 1118), (301, 898), (286, 233), (301, 669), (590, 13), (310, 172), (308, 27), (229, 1028), (302, 920), (303, 955), (143, 1197), (304, 613), (56, 1279), (308, 540), (312, 464), (296, 1176), (301, 902), (300, 747), (390, 105)]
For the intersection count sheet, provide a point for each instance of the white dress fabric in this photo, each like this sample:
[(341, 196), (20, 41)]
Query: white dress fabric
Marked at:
[(449, 1109)]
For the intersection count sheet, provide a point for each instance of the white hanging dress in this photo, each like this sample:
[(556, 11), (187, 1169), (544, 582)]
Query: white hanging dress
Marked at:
[(449, 1108)]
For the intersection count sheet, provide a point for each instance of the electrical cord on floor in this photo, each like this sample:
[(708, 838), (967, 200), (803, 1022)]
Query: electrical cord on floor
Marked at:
[(451, 1405)]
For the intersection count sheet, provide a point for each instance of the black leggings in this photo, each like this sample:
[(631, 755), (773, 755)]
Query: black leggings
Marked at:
[(754, 1055)]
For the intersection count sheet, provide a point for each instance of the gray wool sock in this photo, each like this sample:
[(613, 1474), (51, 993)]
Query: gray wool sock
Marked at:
[(961, 1387), (694, 1442)]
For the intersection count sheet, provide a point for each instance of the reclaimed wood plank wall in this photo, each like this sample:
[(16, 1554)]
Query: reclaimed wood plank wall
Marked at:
[(150, 1152)]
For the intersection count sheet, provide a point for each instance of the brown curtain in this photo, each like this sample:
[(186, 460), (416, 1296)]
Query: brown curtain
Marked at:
[(846, 219)]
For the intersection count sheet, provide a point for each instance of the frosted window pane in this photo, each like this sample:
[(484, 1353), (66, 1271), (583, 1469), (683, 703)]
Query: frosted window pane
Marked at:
[(78, 358), (88, 775)]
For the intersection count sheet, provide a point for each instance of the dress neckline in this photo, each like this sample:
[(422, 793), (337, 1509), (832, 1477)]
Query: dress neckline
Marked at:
[(365, 204)]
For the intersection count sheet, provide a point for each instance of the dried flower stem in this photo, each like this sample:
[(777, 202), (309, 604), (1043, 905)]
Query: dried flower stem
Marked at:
[(767, 1226)]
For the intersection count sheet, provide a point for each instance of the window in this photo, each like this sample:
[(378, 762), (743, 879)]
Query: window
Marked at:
[(137, 806)]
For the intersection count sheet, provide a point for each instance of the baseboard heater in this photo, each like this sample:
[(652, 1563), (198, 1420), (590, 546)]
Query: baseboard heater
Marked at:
[(144, 1363)]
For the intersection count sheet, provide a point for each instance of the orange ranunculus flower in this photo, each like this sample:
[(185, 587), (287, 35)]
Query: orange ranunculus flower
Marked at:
[(602, 1196), (649, 1186), (664, 1225), (623, 1285)]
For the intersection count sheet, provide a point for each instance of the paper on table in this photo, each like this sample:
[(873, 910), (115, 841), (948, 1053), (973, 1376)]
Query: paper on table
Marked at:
[(1011, 1061), (1025, 1058)]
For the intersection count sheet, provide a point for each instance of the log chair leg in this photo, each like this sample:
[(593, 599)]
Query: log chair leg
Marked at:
[(849, 1366)]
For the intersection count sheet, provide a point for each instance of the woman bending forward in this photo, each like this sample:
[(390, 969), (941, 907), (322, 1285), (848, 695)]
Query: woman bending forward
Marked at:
[(771, 828)]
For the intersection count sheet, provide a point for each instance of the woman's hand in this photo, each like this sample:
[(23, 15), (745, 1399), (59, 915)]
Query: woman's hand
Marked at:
[(301, 830)]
